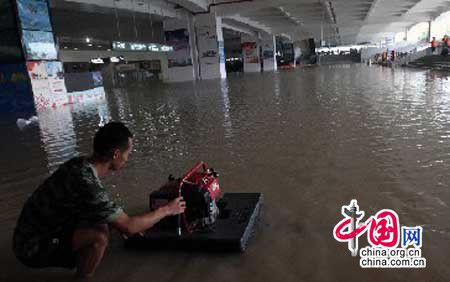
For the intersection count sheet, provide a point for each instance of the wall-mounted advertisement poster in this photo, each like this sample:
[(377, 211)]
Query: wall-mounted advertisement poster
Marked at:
[(250, 52), (221, 45), (39, 83), (6, 15), (39, 45), (179, 40), (208, 50), (10, 48), (207, 45), (84, 87), (97, 79), (33, 14), (15, 92), (56, 83)]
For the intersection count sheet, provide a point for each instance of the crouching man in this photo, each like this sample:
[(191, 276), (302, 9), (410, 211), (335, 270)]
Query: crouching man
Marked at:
[(66, 221)]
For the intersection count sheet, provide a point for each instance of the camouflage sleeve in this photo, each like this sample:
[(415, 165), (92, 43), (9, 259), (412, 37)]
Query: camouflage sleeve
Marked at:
[(95, 205)]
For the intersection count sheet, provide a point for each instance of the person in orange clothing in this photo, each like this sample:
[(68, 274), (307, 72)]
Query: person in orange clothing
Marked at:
[(384, 56)]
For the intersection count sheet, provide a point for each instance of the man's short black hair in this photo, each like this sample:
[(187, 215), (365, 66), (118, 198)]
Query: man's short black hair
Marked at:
[(110, 137)]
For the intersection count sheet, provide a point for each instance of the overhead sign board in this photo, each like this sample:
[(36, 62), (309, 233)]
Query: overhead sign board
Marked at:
[(141, 47)]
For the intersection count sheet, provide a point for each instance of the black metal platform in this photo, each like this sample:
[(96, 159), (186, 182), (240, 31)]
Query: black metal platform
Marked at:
[(231, 232)]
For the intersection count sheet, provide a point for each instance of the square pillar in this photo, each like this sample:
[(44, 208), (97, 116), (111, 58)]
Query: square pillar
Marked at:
[(31, 54), (180, 63), (250, 53), (275, 66), (221, 47), (210, 46), (194, 46), (268, 53)]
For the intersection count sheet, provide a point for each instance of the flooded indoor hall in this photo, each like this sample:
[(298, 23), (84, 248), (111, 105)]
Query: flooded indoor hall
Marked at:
[(248, 140), (309, 140)]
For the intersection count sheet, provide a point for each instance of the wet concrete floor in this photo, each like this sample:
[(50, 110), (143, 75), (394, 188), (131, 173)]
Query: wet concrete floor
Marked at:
[(310, 140)]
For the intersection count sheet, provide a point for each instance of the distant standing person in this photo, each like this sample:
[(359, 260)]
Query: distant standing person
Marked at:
[(434, 45), (446, 45)]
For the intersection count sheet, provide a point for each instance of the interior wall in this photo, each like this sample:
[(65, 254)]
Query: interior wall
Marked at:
[(67, 56), (85, 56), (104, 26)]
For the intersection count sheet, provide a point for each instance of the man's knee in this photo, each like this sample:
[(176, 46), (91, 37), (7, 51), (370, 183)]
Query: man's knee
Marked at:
[(101, 240), (98, 236)]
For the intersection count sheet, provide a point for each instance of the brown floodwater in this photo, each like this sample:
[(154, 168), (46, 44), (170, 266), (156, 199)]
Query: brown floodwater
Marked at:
[(310, 139)]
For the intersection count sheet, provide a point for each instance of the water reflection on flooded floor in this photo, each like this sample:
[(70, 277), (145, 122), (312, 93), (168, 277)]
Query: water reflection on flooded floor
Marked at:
[(310, 139)]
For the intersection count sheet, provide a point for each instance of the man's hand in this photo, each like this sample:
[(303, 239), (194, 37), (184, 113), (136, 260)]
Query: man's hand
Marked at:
[(140, 223), (176, 206)]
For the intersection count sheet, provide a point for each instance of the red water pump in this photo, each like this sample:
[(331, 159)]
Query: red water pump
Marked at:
[(200, 189)]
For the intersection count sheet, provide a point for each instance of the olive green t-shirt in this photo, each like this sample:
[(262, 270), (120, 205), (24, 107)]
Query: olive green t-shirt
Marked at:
[(71, 197)]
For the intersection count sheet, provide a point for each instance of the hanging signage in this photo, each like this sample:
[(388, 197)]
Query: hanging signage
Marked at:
[(117, 45), (154, 48), (140, 47), (165, 48)]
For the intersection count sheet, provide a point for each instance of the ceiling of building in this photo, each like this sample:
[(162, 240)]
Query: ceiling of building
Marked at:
[(339, 21), (74, 22), (334, 21)]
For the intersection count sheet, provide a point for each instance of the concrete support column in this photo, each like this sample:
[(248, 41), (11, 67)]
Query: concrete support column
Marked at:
[(221, 47), (430, 37), (297, 51), (33, 78), (165, 76), (250, 53), (194, 46), (108, 75), (180, 62), (275, 63), (210, 46), (268, 55)]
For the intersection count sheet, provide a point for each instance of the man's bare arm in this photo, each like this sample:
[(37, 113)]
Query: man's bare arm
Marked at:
[(135, 224)]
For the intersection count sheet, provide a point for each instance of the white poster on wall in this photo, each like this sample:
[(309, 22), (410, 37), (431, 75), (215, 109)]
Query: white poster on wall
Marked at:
[(39, 83), (56, 84), (47, 82), (208, 51), (179, 40), (250, 52), (207, 44)]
